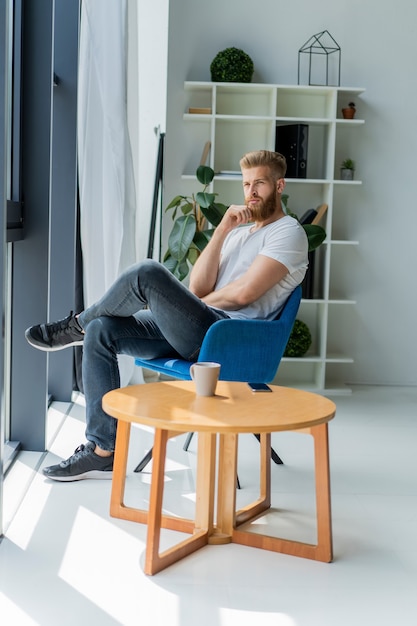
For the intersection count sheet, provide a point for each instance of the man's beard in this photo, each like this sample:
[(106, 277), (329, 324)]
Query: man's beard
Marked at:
[(266, 207)]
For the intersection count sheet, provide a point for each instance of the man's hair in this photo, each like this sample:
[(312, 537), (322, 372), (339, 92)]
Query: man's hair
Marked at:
[(260, 158)]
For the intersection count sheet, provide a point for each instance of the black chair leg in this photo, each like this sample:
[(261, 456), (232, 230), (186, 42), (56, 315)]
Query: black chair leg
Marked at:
[(187, 441), (274, 456), (146, 459), (144, 462)]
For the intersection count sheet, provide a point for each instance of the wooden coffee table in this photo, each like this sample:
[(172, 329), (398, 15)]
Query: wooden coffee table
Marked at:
[(172, 408)]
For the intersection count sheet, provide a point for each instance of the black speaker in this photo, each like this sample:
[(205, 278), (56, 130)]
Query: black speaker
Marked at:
[(292, 141)]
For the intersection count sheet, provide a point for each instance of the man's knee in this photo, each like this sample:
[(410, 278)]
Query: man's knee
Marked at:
[(153, 273), (99, 330), (151, 267)]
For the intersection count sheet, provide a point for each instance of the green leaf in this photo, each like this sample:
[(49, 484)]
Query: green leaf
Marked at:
[(169, 261), (193, 255), (202, 237), (179, 269), (175, 202), (181, 236), (214, 213), (204, 174), (205, 199), (315, 235), (293, 215), (182, 269), (187, 208)]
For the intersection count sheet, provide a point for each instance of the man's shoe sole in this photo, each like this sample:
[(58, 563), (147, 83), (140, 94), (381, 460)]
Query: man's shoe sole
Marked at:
[(94, 474)]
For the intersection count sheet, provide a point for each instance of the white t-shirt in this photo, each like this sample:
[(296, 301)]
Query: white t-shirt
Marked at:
[(285, 241)]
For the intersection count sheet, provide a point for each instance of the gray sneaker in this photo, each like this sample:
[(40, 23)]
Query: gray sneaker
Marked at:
[(84, 463), (56, 335)]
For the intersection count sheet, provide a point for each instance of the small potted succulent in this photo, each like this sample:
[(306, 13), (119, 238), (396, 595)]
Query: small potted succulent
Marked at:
[(232, 65), (349, 111), (347, 169)]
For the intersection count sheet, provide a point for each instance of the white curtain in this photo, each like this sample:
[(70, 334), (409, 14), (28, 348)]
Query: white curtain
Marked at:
[(106, 177)]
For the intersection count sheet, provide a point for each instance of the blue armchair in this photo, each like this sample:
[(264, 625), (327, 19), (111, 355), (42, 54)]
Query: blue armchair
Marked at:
[(248, 351)]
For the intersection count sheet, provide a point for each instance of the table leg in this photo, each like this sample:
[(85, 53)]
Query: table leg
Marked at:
[(226, 488), (121, 450), (205, 481), (323, 497), (227, 517), (264, 501), (117, 506), (322, 551), (154, 560)]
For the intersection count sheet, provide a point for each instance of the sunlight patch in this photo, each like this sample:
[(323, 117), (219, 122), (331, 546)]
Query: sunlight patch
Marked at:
[(20, 532), (97, 545), (12, 614), (190, 496)]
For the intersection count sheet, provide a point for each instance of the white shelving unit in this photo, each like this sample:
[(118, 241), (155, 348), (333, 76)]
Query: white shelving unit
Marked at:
[(243, 117)]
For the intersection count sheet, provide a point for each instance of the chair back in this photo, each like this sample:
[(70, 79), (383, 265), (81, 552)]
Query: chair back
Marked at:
[(248, 350)]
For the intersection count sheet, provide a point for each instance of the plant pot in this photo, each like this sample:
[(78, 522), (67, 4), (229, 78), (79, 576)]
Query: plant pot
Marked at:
[(348, 113), (346, 174)]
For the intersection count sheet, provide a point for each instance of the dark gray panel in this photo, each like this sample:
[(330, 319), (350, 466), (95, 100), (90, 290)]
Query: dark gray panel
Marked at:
[(3, 197), (63, 187)]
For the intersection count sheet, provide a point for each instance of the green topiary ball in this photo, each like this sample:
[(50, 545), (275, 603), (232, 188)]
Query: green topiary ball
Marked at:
[(299, 341), (231, 66)]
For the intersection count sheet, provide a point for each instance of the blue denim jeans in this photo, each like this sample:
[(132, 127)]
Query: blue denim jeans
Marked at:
[(147, 313)]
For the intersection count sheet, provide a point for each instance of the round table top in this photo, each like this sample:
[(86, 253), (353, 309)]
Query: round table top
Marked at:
[(234, 408)]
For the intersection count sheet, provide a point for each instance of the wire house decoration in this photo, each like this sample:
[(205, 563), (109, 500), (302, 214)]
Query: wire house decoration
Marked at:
[(320, 57)]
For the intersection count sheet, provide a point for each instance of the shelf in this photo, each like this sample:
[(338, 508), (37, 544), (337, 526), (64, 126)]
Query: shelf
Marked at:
[(197, 117), (338, 359), (341, 242), (244, 117), (317, 359), (289, 181), (340, 121), (349, 183), (191, 85), (308, 181), (316, 301), (311, 121)]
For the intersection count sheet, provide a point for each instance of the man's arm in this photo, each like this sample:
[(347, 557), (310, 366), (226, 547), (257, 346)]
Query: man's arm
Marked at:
[(261, 276), (204, 273)]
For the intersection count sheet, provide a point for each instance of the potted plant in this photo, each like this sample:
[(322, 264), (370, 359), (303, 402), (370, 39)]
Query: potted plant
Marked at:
[(199, 214), (232, 65), (349, 111), (300, 340), (347, 169), (195, 219)]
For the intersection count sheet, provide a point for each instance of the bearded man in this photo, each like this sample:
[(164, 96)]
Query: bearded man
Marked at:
[(254, 260)]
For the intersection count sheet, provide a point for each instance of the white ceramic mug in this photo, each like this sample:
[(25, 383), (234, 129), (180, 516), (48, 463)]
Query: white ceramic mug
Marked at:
[(205, 377)]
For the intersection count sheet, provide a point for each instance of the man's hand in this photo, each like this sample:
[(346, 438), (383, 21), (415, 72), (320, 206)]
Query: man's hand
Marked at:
[(236, 215)]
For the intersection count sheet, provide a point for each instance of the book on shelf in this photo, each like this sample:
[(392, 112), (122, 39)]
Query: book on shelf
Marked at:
[(200, 110)]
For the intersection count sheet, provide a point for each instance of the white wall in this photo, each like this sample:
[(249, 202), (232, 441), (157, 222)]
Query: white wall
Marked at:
[(378, 53)]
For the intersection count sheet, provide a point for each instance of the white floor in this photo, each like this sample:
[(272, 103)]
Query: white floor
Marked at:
[(65, 561)]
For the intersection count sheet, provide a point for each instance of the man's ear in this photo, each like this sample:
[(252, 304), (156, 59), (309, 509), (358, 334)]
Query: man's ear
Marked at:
[(280, 185)]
